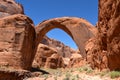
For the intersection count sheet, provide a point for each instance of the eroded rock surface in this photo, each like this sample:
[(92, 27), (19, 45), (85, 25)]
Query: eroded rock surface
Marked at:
[(17, 37), (54, 62), (63, 50), (10, 7), (47, 57), (76, 60), (106, 52), (14, 74)]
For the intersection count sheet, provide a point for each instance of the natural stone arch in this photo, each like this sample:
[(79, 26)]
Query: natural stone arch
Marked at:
[(79, 29)]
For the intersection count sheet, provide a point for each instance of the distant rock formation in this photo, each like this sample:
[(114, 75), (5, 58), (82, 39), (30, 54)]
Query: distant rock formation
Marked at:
[(63, 50), (47, 49)]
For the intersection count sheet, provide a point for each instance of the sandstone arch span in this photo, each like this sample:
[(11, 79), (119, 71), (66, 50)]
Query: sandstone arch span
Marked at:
[(79, 29)]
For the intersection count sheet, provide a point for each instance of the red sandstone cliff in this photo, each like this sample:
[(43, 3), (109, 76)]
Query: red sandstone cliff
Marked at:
[(106, 51)]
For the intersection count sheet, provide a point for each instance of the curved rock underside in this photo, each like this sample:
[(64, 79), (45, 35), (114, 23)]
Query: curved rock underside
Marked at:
[(79, 29)]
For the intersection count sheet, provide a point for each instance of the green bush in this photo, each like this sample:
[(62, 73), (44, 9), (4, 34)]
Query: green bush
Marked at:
[(67, 76), (86, 68), (75, 77), (115, 74)]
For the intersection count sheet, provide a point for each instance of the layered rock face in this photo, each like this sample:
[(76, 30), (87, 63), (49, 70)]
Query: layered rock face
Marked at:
[(63, 50), (47, 57), (17, 37), (106, 53), (109, 18)]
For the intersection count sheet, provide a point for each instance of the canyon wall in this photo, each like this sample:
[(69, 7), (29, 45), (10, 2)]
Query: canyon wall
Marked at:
[(106, 51)]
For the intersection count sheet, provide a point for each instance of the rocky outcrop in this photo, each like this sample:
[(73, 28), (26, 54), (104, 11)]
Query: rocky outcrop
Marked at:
[(43, 52), (17, 37), (63, 50), (76, 60), (55, 61), (47, 57), (106, 52), (14, 74), (49, 47), (3, 14), (113, 31), (10, 7)]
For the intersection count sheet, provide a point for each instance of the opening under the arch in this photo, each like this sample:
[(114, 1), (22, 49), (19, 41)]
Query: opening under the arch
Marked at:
[(63, 37)]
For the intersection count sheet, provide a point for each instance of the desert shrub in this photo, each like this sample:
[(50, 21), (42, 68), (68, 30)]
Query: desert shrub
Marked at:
[(86, 68), (75, 77), (67, 76), (114, 74), (103, 74)]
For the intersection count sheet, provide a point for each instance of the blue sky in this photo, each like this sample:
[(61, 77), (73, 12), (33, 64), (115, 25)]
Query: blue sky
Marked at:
[(39, 10)]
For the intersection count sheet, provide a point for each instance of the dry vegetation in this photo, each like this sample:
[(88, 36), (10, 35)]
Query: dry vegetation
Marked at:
[(82, 73)]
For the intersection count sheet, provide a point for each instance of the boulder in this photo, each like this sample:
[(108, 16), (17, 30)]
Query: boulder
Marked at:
[(76, 60), (47, 57), (17, 37), (54, 62), (43, 52)]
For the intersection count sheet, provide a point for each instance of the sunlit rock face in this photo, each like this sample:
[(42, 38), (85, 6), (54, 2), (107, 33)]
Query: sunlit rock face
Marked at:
[(51, 54), (106, 53), (62, 49), (17, 37), (47, 57)]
